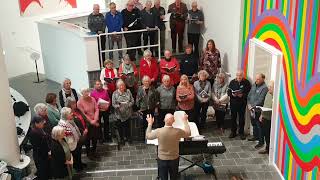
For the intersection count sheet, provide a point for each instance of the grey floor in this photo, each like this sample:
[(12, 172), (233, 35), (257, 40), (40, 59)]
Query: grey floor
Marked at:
[(137, 161)]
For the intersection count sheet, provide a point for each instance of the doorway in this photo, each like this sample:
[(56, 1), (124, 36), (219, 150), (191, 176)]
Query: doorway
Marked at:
[(266, 59)]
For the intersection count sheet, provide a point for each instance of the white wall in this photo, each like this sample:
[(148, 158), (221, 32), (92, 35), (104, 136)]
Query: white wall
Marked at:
[(18, 32), (222, 24)]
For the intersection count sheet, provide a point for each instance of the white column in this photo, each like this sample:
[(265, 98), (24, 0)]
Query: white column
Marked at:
[(9, 148)]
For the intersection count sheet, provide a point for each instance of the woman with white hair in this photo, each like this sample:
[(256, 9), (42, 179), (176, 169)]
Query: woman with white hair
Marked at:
[(72, 132), (149, 67), (122, 102), (202, 88), (88, 106), (146, 100), (41, 110), (166, 99), (129, 74), (220, 99), (66, 92), (61, 157)]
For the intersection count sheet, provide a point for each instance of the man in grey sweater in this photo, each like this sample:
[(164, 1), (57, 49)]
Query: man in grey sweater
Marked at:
[(256, 97), (168, 149)]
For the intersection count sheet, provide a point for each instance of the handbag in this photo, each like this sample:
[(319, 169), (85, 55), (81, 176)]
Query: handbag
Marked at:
[(19, 108)]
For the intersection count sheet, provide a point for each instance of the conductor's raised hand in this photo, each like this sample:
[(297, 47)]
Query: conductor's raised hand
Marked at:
[(150, 119)]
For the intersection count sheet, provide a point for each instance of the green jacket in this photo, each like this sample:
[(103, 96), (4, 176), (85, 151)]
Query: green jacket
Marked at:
[(268, 104), (53, 115), (146, 101)]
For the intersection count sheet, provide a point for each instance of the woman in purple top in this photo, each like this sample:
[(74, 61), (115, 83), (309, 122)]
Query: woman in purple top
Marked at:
[(102, 98)]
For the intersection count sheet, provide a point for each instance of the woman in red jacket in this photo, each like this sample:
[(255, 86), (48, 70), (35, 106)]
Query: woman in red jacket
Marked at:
[(149, 67), (171, 67)]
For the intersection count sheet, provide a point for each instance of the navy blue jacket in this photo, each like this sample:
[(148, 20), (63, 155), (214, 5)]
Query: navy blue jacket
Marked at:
[(114, 23)]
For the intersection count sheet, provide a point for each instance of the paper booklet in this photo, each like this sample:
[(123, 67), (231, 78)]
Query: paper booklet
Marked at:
[(131, 24), (236, 91), (102, 101), (167, 17), (264, 108), (128, 74), (204, 94), (170, 70), (183, 96), (109, 80)]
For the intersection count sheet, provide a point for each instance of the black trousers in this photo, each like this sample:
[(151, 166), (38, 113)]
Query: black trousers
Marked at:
[(150, 35), (42, 165), (162, 114), (257, 128), (193, 39), (174, 34), (237, 110), (201, 113), (103, 47), (166, 167), (133, 40), (266, 128), (220, 114), (92, 141), (77, 162), (124, 129), (106, 126)]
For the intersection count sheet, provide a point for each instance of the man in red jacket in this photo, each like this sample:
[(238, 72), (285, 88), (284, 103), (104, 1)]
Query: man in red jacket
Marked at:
[(170, 66), (149, 67)]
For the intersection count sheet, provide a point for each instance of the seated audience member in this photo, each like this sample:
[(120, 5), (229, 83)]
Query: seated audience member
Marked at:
[(178, 18), (97, 26), (146, 99), (80, 120), (109, 76), (52, 109), (122, 102), (41, 110), (103, 101), (168, 149), (61, 157), (170, 66), (89, 107), (67, 91), (72, 133), (220, 99), (114, 23), (202, 88), (138, 5), (195, 21), (148, 20), (131, 22), (185, 97), (149, 67), (40, 141), (166, 100), (160, 14), (238, 91), (189, 64), (129, 74), (256, 97), (265, 117), (210, 60)]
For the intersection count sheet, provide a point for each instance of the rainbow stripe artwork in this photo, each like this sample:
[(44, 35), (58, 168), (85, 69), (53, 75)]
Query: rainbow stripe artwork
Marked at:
[(293, 27)]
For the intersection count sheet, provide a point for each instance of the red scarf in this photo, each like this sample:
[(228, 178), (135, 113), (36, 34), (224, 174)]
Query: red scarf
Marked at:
[(111, 86)]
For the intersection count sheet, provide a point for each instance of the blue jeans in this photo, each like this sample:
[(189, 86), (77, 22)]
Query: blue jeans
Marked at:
[(257, 128)]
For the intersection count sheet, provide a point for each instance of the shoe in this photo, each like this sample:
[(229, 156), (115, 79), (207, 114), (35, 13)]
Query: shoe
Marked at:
[(232, 135), (253, 139), (258, 146), (242, 137), (264, 152)]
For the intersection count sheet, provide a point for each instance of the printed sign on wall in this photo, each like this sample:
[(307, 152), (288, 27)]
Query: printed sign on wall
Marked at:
[(37, 7)]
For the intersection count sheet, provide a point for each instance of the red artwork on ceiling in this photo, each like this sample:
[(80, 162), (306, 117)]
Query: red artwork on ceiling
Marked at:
[(25, 3)]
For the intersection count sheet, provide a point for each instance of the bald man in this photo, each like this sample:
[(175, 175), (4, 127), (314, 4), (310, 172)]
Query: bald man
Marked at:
[(168, 149), (97, 26), (256, 97), (238, 91)]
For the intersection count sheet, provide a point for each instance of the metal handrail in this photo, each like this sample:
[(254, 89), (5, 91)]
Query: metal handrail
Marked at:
[(137, 47)]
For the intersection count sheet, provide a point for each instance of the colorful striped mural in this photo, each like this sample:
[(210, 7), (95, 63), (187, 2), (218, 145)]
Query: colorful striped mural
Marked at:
[(292, 26)]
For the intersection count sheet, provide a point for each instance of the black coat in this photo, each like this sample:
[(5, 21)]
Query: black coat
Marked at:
[(59, 168), (73, 91), (188, 64), (244, 86), (40, 143), (130, 17)]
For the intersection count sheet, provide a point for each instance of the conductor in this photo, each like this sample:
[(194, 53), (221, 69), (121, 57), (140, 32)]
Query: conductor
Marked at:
[(168, 140)]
